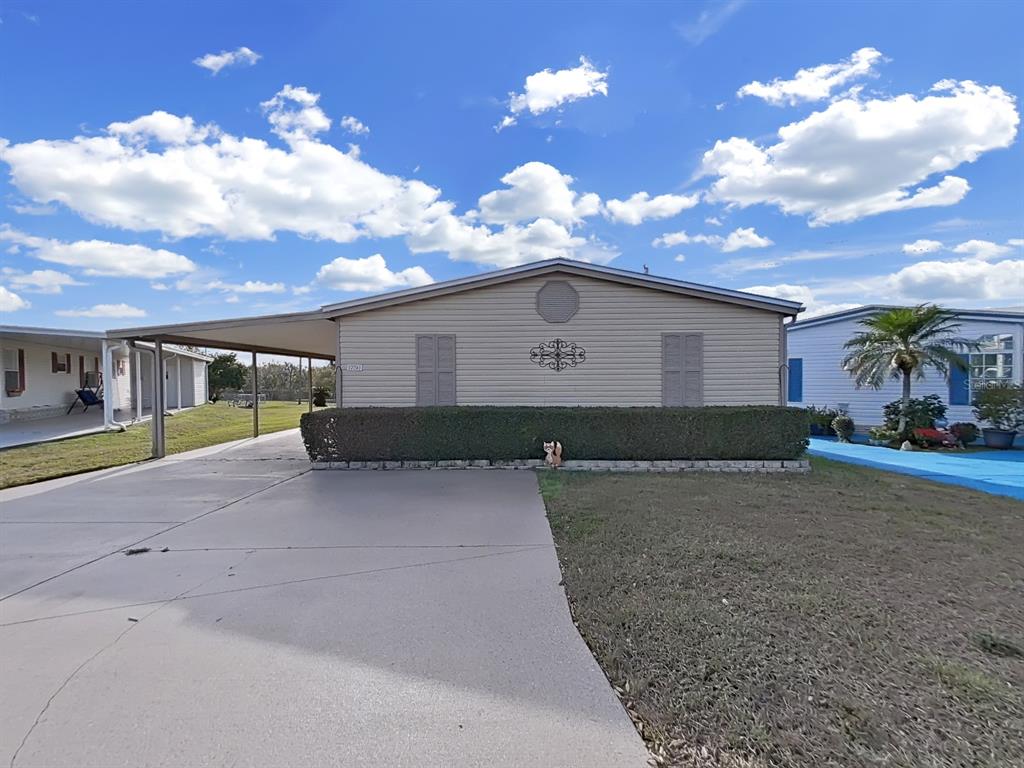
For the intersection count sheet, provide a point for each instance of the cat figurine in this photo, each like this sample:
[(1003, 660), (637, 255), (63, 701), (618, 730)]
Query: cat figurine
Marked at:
[(553, 454)]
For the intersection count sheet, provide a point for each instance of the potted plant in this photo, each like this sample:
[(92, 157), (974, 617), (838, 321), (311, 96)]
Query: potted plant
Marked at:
[(1001, 405)]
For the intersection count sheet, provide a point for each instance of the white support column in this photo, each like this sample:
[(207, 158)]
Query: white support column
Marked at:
[(159, 447), (255, 398), (138, 384), (108, 385), (177, 374)]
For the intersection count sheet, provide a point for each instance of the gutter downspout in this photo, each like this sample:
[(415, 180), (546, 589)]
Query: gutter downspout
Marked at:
[(138, 356), (109, 423)]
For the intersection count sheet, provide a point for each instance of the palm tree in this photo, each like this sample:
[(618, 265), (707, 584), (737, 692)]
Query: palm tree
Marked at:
[(902, 342)]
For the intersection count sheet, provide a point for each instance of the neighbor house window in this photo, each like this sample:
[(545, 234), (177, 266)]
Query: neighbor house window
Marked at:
[(60, 363), (14, 371), (992, 362)]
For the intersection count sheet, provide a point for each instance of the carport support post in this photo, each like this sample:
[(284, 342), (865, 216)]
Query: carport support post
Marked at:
[(158, 399), (177, 375), (255, 398), (310, 367)]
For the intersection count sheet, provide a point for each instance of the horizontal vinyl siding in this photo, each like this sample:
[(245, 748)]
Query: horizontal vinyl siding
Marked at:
[(619, 326), (827, 384)]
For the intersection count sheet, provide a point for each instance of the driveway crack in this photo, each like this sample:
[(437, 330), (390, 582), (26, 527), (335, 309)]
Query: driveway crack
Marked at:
[(132, 625)]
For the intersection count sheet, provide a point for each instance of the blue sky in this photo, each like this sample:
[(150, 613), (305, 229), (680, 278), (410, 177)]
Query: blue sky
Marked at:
[(340, 149)]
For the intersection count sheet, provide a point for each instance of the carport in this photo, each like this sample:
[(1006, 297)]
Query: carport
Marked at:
[(310, 335)]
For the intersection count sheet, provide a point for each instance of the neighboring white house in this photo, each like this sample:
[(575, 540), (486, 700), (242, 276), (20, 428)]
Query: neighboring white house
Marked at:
[(817, 377), (43, 368)]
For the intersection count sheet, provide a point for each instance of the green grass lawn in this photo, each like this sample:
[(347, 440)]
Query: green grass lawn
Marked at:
[(850, 617), (195, 428)]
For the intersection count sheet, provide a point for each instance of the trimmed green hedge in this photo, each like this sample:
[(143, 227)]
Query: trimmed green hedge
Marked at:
[(502, 433)]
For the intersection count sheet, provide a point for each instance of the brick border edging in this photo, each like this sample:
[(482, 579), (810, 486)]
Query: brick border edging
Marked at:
[(587, 465)]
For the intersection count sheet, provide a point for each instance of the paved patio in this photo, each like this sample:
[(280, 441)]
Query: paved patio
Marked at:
[(998, 472), (408, 618)]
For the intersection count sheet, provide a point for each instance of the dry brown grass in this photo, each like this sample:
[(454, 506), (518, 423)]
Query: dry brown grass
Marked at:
[(846, 618)]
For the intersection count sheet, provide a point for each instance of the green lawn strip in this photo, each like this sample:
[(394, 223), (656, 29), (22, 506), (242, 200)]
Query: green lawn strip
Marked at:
[(196, 428), (849, 617)]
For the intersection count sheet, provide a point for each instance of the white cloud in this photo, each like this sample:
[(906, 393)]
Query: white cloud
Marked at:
[(250, 286), (39, 280), (103, 310), (183, 180), (860, 158), (215, 62), (547, 90), (11, 302), (922, 246), (709, 21), (513, 244), (984, 249), (34, 210), (160, 286), (670, 239), (641, 206), (294, 115), (537, 190), (162, 127), (713, 221), (353, 125), (680, 258), (369, 274), (957, 280), (742, 237), (220, 185), (815, 83), (98, 257), (802, 293)]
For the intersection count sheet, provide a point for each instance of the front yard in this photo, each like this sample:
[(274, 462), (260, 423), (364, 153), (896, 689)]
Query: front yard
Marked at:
[(196, 428), (847, 618)]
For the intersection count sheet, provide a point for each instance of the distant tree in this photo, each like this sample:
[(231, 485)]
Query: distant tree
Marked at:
[(225, 372), (901, 343)]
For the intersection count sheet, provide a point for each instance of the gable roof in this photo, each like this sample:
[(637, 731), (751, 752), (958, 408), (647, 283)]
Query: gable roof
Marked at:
[(1009, 315), (563, 266)]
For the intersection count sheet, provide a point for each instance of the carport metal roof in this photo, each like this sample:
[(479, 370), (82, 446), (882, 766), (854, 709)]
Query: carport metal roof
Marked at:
[(302, 334)]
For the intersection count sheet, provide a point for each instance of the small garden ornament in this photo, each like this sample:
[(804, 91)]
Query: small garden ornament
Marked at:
[(553, 454)]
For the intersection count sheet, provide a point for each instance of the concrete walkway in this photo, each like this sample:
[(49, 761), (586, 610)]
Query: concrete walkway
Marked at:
[(997, 472), (409, 618)]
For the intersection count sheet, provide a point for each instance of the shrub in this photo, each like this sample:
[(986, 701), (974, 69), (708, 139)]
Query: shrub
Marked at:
[(320, 395), (965, 432), (1001, 404), (884, 436), (921, 412), (842, 425), (514, 432), (820, 420)]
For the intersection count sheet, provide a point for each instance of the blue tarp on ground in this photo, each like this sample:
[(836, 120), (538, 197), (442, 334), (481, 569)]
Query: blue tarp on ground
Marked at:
[(998, 472)]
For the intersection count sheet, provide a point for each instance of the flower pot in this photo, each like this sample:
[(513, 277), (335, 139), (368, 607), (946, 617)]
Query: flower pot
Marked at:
[(998, 438)]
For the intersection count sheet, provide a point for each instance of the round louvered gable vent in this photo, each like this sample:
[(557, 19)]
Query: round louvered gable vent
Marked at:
[(557, 301)]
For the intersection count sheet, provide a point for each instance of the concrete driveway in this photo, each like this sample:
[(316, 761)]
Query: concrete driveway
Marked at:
[(302, 618)]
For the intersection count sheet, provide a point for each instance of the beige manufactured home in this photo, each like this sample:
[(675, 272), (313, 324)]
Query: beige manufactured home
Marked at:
[(562, 334), (556, 332)]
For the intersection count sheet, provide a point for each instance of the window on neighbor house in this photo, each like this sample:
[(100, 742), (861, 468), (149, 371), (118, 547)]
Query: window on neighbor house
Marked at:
[(60, 363), (14, 371), (993, 362)]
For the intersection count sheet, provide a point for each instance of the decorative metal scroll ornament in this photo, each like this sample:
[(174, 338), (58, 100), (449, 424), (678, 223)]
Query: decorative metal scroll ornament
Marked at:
[(558, 354)]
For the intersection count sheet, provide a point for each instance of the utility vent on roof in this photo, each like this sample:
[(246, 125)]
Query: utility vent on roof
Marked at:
[(557, 301)]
